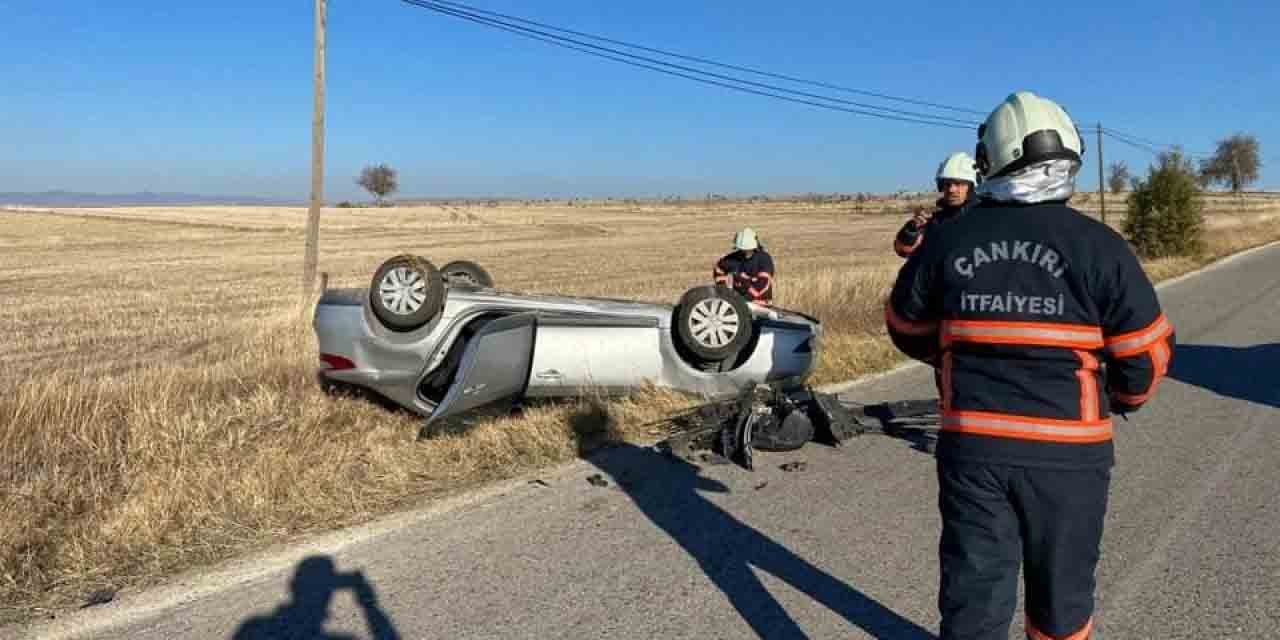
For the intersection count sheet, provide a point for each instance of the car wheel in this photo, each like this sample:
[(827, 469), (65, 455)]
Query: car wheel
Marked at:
[(406, 292), (467, 274), (713, 323)]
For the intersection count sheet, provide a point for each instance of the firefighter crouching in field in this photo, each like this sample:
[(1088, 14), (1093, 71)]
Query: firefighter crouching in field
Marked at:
[(1019, 304), (748, 270), (957, 180)]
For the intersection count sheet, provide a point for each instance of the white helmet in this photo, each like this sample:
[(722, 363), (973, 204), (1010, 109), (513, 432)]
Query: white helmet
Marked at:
[(958, 166), (1023, 130), (746, 240)]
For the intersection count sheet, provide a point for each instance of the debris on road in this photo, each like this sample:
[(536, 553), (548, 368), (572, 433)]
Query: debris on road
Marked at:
[(714, 459), (597, 480), (783, 417), (794, 466)]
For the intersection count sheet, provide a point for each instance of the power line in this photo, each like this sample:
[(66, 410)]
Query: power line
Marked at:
[(1137, 138), (605, 52), (507, 22), (682, 71), (680, 56), (1136, 145), (1147, 145)]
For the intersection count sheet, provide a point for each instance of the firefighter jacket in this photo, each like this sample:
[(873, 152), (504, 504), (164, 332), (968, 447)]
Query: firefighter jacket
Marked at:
[(910, 237), (752, 277), (1040, 322)]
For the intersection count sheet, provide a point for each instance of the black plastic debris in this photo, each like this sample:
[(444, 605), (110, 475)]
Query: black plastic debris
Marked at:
[(101, 596), (784, 417), (597, 480)]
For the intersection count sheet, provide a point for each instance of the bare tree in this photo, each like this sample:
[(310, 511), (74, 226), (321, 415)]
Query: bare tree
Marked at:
[(1235, 163), (379, 180), (1118, 177)]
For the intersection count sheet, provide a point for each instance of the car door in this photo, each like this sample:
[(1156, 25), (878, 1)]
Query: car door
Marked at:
[(579, 355), (494, 368)]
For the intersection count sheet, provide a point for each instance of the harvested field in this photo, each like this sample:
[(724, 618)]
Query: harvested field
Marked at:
[(160, 410)]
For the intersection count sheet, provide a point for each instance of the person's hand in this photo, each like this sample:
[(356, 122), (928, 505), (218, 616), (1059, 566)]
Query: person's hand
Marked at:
[(921, 217)]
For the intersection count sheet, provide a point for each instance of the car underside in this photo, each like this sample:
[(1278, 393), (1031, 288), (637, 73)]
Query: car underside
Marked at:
[(441, 344)]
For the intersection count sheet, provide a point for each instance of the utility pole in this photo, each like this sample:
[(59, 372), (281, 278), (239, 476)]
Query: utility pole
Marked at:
[(1102, 187), (317, 158)]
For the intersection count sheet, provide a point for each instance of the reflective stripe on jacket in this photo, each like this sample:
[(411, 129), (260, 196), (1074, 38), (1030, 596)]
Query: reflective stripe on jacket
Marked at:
[(1041, 321), (752, 277)]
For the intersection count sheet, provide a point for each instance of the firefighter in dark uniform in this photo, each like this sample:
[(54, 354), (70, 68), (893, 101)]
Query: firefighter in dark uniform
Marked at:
[(957, 180), (1042, 324), (748, 270)]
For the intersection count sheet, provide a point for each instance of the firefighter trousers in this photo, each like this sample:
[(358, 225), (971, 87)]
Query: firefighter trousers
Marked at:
[(996, 517)]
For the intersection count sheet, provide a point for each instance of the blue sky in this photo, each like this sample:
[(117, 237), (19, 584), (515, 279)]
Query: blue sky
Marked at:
[(215, 97)]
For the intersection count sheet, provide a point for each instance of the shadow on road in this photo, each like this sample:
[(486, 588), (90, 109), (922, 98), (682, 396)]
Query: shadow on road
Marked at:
[(1245, 373), (666, 489), (313, 585)]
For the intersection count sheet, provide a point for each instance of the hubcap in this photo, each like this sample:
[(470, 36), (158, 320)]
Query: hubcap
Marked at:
[(713, 323), (402, 290)]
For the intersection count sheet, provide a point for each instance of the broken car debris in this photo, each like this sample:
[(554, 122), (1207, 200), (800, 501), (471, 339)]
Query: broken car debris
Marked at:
[(785, 417)]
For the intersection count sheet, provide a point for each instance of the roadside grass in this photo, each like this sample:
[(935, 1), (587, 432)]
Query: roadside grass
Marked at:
[(121, 476)]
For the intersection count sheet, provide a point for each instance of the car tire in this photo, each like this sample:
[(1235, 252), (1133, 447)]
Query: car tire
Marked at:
[(465, 273), (406, 292), (713, 323)]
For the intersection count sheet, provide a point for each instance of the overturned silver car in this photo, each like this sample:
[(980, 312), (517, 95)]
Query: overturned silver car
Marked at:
[(441, 342)]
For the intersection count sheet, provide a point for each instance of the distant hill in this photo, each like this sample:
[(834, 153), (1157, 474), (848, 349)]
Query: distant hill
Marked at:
[(82, 199)]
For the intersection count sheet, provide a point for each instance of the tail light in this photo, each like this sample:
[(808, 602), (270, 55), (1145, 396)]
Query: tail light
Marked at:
[(330, 362)]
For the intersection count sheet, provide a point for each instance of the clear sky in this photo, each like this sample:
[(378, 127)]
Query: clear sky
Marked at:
[(215, 97)]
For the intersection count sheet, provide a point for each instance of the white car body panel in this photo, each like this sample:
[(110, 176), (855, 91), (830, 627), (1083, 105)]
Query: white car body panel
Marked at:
[(580, 345)]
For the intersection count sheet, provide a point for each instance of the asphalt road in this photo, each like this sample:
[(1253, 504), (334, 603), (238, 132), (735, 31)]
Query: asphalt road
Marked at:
[(844, 548)]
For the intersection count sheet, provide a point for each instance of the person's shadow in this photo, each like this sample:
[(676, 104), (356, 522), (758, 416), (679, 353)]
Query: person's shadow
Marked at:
[(313, 585), (1247, 373), (666, 489)]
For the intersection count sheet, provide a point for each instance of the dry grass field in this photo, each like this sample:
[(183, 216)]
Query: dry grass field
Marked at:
[(160, 410)]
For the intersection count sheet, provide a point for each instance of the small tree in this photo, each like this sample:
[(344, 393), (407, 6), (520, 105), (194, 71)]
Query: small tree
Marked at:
[(1119, 176), (1235, 163), (379, 180), (1166, 211)]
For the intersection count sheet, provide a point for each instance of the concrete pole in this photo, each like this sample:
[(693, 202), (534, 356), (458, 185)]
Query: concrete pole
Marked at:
[(317, 157), (1102, 187)]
